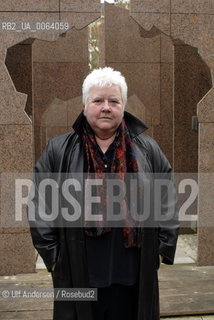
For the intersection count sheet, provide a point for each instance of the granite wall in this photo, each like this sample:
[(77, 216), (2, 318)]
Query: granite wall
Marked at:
[(145, 59), (41, 73), (58, 71), (192, 80), (191, 22), (167, 76), (206, 180), (16, 156)]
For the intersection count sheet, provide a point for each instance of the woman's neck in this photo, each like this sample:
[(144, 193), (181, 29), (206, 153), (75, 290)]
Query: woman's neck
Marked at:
[(104, 143)]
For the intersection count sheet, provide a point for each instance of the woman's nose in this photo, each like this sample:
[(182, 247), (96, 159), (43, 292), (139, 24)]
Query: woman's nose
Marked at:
[(106, 105)]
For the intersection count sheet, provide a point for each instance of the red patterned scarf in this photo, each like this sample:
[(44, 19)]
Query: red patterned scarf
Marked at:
[(124, 160)]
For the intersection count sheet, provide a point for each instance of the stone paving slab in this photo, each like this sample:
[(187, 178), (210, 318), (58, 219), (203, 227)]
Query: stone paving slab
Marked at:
[(26, 315), (191, 318), (186, 290), (26, 309)]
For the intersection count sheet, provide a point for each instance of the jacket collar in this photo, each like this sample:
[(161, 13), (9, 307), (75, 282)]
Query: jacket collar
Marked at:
[(135, 125)]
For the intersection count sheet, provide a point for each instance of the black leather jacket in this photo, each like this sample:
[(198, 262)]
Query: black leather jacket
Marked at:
[(66, 248)]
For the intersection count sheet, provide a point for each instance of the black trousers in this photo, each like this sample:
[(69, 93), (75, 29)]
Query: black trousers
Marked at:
[(117, 302)]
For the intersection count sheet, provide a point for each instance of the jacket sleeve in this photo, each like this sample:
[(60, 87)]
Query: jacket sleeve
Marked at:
[(169, 226), (44, 234)]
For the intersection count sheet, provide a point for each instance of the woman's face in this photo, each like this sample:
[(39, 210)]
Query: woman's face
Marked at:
[(104, 110)]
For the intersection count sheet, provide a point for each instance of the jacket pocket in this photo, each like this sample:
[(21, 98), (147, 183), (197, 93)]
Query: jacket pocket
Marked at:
[(61, 270), (57, 263)]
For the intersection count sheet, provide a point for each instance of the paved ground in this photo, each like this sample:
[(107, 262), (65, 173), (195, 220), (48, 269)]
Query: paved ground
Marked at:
[(185, 289), (192, 318), (187, 254), (186, 249)]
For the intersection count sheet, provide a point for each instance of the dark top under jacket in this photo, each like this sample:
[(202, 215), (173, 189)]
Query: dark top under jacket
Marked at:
[(108, 260)]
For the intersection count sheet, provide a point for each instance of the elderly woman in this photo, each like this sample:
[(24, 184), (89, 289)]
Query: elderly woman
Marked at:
[(105, 138)]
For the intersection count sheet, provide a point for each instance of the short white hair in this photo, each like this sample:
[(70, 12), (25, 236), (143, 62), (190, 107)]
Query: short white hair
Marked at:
[(104, 77)]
